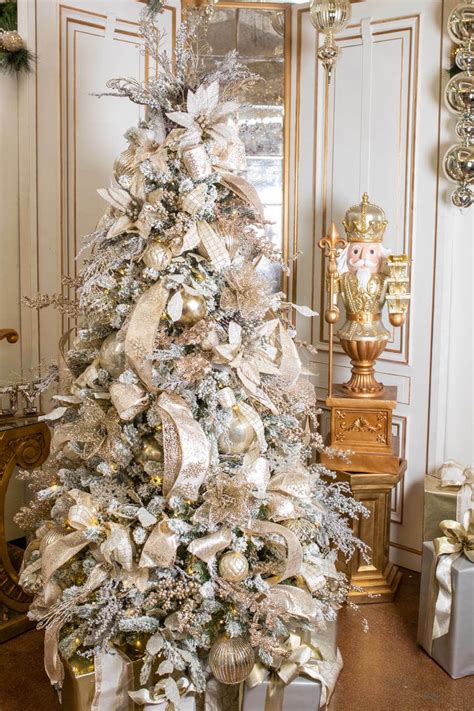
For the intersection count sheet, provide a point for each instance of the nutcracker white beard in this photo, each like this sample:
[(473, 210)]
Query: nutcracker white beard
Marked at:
[(364, 270)]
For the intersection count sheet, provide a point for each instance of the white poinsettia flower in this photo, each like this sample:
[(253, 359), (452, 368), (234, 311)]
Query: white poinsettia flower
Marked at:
[(206, 115), (130, 207)]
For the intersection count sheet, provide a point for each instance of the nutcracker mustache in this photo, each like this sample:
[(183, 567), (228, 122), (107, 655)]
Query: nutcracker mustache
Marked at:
[(363, 275)]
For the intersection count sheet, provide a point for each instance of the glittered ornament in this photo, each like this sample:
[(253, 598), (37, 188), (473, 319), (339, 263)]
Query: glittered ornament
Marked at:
[(11, 41), (231, 660), (239, 436), (233, 567), (194, 308), (112, 355), (156, 256), (151, 451), (303, 529)]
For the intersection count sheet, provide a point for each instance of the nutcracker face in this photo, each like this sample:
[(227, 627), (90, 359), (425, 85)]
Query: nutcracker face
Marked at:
[(367, 257)]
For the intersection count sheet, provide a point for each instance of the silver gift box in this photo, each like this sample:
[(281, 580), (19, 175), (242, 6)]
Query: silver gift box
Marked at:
[(454, 652), (301, 695)]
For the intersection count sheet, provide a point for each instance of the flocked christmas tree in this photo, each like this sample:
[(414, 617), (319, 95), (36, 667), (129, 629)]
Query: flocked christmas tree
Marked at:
[(180, 512)]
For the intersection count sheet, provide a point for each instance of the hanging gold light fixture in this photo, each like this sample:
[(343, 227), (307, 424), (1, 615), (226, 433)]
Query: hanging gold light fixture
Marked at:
[(330, 17)]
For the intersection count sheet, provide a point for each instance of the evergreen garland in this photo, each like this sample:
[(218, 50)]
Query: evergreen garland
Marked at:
[(19, 59)]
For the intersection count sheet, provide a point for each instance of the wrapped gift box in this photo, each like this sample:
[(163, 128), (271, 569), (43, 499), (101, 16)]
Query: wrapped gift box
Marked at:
[(441, 503), (78, 689), (455, 650), (301, 695)]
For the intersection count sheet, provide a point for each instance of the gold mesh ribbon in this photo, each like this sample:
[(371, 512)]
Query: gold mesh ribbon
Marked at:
[(141, 332), (128, 399), (185, 447)]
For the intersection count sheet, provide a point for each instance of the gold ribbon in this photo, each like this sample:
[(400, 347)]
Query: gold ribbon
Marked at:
[(242, 188), (128, 399), (52, 661), (141, 332), (185, 447), (207, 547), (160, 547), (458, 540), (112, 682)]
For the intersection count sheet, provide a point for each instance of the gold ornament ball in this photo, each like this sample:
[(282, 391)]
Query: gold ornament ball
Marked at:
[(194, 308), (396, 319), (231, 660), (239, 437), (303, 529), (233, 567), (112, 355), (151, 450), (11, 41), (157, 257)]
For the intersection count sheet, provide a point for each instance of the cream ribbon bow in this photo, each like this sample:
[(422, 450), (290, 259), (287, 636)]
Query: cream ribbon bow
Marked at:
[(458, 540), (304, 660)]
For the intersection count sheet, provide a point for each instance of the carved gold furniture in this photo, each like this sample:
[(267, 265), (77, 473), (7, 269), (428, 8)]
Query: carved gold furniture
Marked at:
[(24, 444)]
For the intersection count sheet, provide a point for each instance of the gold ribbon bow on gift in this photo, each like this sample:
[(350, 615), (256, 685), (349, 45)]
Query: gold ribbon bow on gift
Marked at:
[(304, 660), (458, 540)]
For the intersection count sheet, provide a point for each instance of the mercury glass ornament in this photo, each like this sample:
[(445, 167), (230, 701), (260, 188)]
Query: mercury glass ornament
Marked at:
[(239, 436), (461, 23), (156, 256), (459, 93), (303, 529), (465, 58), (151, 450), (463, 197), (231, 660), (465, 130), (11, 41), (459, 164), (112, 355), (194, 308), (329, 17), (233, 567)]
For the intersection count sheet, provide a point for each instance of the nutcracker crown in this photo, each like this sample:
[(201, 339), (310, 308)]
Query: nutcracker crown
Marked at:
[(365, 222)]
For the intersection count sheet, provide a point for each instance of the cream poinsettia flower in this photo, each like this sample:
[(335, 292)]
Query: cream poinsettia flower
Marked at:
[(206, 115), (133, 208)]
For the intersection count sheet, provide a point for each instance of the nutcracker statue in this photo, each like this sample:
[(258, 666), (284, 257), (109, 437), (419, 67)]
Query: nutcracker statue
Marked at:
[(364, 277)]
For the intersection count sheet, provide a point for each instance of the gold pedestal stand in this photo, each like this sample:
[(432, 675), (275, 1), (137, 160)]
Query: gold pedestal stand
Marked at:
[(25, 445), (361, 428)]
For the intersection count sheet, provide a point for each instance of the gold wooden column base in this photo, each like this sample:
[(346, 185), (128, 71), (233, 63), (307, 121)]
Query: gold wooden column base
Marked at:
[(378, 578)]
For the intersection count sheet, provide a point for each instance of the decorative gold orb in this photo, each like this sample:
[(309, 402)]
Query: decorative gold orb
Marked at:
[(194, 308), (331, 315), (303, 529), (231, 660), (11, 41), (239, 437), (51, 536), (233, 566), (396, 319), (156, 256), (151, 451), (112, 355)]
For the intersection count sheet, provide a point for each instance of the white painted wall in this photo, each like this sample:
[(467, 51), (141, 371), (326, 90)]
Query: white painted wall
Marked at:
[(383, 129)]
